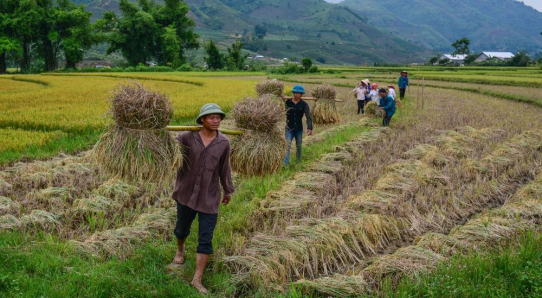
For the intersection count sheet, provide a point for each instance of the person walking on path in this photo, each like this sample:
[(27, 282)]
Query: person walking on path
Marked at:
[(296, 108), (403, 84), (387, 104), (197, 190), (361, 92)]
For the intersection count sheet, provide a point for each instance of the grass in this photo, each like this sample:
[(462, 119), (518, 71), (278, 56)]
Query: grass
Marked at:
[(512, 270)]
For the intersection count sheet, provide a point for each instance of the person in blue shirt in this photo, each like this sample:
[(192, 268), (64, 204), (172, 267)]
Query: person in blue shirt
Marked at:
[(403, 84), (296, 108), (386, 104)]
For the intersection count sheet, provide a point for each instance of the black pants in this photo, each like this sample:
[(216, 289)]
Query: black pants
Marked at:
[(207, 224), (402, 93), (386, 120), (361, 106)]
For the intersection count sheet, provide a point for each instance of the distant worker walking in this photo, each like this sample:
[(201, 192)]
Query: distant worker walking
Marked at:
[(387, 104), (362, 90), (295, 109), (403, 84), (197, 189)]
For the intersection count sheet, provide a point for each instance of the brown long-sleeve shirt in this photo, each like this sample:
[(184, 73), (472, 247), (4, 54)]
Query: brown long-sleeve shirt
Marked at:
[(197, 185)]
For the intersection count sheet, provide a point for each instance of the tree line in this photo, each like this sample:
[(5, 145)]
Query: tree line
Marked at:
[(37, 34)]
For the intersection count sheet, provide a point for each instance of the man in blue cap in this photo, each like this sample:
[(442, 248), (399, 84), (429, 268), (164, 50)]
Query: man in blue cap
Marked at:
[(206, 167), (295, 109)]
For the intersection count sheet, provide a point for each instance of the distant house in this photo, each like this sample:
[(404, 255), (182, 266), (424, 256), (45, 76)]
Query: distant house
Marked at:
[(504, 56), (457, 59), (259, 57)]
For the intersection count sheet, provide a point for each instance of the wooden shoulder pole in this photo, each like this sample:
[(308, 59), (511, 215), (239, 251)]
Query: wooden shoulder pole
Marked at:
[(197, 128)]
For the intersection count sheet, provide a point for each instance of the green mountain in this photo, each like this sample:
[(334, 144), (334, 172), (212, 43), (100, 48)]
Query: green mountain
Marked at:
[(293, 29), (491, 25)]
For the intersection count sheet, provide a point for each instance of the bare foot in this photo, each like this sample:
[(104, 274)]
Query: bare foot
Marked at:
[(199, 287), (179, 257)]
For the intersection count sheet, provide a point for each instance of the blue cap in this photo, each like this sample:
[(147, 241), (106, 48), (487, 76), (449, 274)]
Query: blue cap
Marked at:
[(298, 89)]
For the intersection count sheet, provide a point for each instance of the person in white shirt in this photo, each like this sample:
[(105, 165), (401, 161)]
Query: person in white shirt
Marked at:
[(391, 92), (374, 93), (361, 91)]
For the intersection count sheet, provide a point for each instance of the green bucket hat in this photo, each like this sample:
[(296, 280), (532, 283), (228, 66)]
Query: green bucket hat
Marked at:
[(208, 109)]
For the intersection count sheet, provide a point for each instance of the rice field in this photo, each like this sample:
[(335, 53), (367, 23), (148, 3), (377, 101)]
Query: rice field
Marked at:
[(77, 105), (367, 212)]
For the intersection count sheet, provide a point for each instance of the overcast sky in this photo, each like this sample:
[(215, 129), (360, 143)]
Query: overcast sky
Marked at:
[(537, 4)]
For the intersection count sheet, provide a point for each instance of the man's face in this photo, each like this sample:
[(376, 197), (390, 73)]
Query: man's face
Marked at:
[(382, 94), (403, 74), (298, 95), (211, 122)]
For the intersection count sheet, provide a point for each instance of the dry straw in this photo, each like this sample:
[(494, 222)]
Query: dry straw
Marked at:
[(118, 242), (324, 110), (372, 109), (262, 148), (5, 188), (41, 218), (273, 87), (138, 147), (7, 205), (9, 222), (335, 286)]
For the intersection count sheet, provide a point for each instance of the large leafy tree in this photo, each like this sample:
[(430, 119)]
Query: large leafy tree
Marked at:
[(43, 29), (8, 42), (72, 31), (26, 21), (213, 57), (236, 59), (461, 46), (174, 15), (148, 31), (133, 34)]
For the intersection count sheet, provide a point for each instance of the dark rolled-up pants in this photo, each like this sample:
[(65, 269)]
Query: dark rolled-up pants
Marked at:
[(207, 224), (386, 120), (402, 93)]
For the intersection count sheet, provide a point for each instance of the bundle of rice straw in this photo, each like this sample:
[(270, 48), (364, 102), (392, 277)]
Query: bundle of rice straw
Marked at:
[(262, 148), (273, 87), (371, 109), (9, 222), (138, 148), (324, 110), (336, 286)]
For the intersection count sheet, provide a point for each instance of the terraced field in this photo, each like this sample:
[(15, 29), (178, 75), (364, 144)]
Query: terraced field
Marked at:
[(367, 209)]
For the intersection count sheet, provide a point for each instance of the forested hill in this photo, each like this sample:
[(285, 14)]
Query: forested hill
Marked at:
[(491, 25), (293, 29)]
